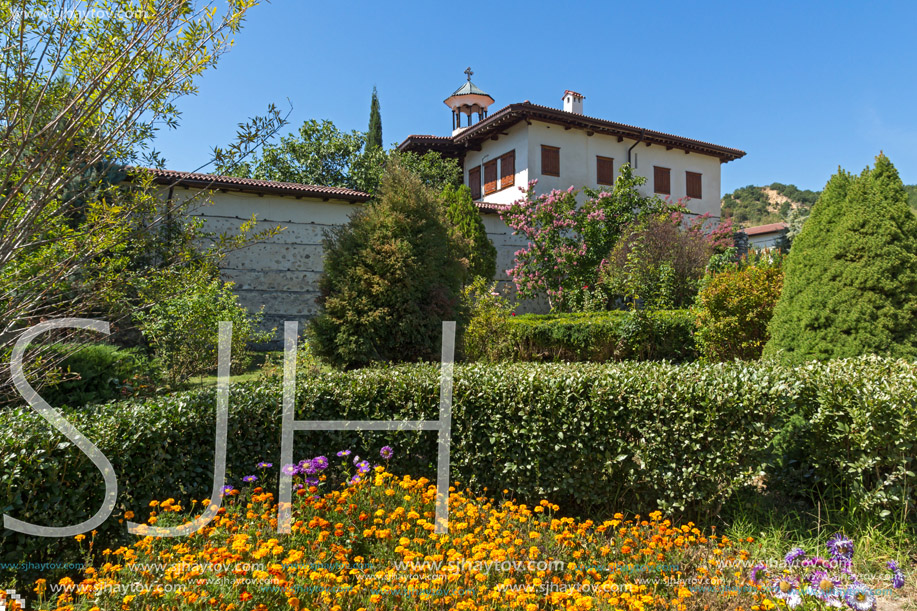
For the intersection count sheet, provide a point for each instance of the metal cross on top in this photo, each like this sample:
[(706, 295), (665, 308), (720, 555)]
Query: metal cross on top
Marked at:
[(469, 73)]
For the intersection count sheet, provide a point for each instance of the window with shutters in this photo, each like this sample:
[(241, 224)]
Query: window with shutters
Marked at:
[(605, 170), (508, 169), (474, 182), (662, 182), (490, 177), (550, 160), (693, 185)]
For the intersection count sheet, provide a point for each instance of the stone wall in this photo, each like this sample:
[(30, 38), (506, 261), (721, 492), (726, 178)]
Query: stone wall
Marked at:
[(281, 274)]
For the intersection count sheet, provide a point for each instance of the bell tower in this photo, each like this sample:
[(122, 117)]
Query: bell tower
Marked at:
[(467, 100)]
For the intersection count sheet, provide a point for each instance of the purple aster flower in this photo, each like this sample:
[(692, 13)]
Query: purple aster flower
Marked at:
[(355, 479), (794, 554), (264, 465), (897, 575), (320, 463), (823, 585), (860, 598), (386, 452), (226, 490), (356, 460), (840, 546), (312, 481), (290, 470), (297, 487), (307, 468), (248, 479), (758, 573), (363, 467), (786, 590), (343, 453)]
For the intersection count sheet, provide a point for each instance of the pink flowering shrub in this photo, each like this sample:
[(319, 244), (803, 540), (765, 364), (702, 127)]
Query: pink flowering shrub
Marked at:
[(567, 242)]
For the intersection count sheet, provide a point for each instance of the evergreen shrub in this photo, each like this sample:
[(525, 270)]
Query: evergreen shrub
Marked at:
[(851, 274), (734, 308), (391, 276)]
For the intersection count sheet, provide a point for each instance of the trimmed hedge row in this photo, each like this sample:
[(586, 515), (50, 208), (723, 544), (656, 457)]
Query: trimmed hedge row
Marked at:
[(593, 438), (598, 336)]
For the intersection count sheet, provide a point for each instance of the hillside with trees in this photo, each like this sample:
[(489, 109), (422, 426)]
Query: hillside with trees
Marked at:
[(750, 206)]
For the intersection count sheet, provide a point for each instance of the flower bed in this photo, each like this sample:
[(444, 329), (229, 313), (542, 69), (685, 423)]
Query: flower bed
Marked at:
[(368, 543), (816, 582)]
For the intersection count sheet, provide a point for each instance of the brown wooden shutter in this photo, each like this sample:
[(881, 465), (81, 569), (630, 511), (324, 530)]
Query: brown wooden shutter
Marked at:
[(693, 185), (474, 182), (490, 177), (508, 169), (605, 170), (662, 180), (550, 160)]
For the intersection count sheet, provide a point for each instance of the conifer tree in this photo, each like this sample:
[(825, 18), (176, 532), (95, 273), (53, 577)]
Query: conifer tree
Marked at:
[(391, 276), (851, 275), (374, 136), (466, 220)]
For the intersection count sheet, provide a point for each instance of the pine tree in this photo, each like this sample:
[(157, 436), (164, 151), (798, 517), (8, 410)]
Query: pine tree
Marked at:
[(851, 275), (374, 136), (466, 220)]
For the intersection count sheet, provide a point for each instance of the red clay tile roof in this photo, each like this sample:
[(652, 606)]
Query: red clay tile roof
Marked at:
[(759, 229), (566, 91), (251, 185), (509, 115)]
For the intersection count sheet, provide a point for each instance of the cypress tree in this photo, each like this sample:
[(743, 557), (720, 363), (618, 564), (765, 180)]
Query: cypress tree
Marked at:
[(374, 136), (851, 275), (465, 219)]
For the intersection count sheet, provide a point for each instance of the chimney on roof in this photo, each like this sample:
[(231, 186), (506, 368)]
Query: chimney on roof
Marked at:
[(573, 102)]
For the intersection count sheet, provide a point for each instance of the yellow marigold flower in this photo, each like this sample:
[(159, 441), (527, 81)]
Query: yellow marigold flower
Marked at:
[(80, 537)]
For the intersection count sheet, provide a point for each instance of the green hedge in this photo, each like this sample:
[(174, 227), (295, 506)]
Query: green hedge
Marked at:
[(599, 336), (103, 373), (593, 438)]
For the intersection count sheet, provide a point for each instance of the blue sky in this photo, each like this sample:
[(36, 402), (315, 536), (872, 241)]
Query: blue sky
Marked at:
[(802, 87)]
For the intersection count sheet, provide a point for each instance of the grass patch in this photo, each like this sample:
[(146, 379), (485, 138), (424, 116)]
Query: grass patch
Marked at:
[(777, 527), (261, 363)]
